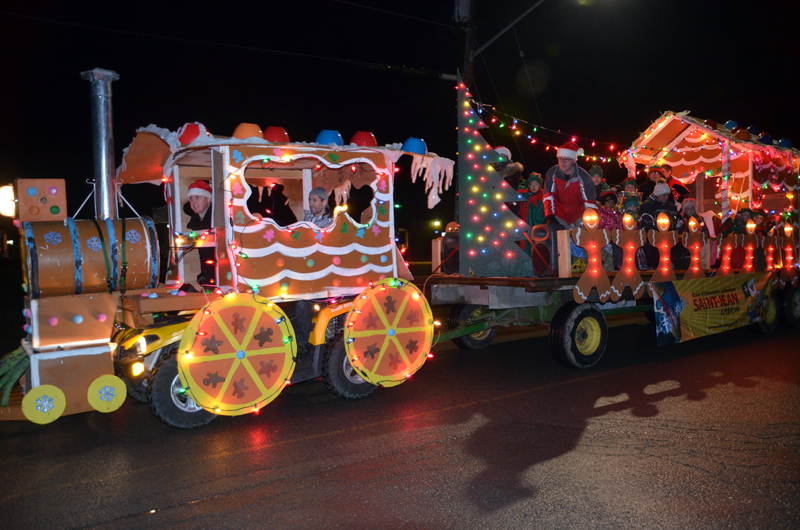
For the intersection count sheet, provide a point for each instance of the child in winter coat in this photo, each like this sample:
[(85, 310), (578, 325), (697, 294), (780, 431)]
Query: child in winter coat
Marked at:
[(532, 210)]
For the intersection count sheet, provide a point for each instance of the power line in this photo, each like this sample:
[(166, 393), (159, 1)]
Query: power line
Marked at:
[(394, 13), (220, 44)]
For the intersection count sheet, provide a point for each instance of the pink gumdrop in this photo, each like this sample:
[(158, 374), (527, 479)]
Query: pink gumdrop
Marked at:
[(181, 293), (27, 313), (145, 295), (53, 321), (52, 190), (337, 260), (101, 317), (26, 328)]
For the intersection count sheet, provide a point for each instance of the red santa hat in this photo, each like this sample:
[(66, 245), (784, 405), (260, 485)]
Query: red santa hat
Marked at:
[(199, 188), (570, 150)]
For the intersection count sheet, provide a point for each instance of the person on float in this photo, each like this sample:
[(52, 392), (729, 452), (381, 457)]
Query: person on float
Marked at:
[(512, 173), (600, 185), (610, 219), (318, 211), (199, 210), (656, 203), (532, 210), (568, 189), (689, 210), (679, 191), (654, 173)]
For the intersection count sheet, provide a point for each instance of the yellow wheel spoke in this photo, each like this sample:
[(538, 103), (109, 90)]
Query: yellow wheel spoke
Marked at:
[(225, 331), (400, 311), (208, 358), (229, 377), (371, 333), (252, 371)]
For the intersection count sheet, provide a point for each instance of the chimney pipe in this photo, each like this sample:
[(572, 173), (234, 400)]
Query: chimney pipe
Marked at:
[(105, 187)]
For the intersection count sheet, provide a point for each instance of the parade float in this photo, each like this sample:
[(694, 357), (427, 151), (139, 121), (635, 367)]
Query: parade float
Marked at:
[(104, 322), (100, 325), (498, 283)]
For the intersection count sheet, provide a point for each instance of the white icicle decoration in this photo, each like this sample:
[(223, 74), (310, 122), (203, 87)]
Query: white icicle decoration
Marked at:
[(436, 172)]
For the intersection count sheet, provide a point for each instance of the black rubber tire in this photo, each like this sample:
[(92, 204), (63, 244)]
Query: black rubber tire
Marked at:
[(339, 376), (580, 336), (476, 341), (769, 321), (137, 394), (556, 326), (790, 307), (165, 407)]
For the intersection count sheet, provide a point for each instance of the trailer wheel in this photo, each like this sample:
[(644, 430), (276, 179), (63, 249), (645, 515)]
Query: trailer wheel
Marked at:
[(475, 341), (339, 376), (790, 308), (168, 400), (769, 320), (579, 335)]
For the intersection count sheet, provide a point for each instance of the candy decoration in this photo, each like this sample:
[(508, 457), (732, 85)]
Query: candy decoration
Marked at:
[(78, 319), (52, 190), (276, 135), (102, 317), (191, 131), (247, 130), (53, 321), (32, 192), (153, 295), (328, 136), (389, 332), (107, 393), (364, 139), (243, 339), (44, 404), (416, 146)]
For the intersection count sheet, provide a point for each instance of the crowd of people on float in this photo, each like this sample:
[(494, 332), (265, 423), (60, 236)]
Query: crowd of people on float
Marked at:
[(567, 190)]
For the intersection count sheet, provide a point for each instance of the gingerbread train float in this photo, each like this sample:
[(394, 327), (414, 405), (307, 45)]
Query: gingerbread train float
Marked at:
[(97, 316)]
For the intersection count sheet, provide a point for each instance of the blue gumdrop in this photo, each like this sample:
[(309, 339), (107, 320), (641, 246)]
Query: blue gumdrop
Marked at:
[(328, 136), (730, 124), (153, 295), (77, 319), (785, 143), (753, 130), (174, 292), (416, 146), (32, 191)]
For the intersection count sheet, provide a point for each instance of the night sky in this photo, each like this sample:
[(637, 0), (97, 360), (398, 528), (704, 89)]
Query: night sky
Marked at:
[(601, 70)]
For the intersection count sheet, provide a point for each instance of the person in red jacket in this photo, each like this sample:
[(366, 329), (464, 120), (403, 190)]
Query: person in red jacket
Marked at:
[(568, 189)]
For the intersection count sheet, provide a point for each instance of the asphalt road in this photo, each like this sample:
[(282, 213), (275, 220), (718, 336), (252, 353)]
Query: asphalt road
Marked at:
[(700, 435)]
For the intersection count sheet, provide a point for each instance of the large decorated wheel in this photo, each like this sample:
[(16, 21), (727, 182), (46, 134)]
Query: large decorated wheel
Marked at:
[(389, 331), (107, 393), (44, 404), (237, 354)]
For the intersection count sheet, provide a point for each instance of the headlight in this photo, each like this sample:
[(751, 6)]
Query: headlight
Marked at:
[(137, 368)]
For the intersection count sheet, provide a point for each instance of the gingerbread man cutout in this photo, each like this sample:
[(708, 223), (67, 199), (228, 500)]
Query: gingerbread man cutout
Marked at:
[(629, 240), (694, 240), (726, 246), (663, 241), (749, 241), (592, 240), (789, 272)]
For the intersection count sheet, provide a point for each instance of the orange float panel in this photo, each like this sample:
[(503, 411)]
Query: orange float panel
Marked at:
[(86, 256), (41, 200), (72, 371), (71, 321)]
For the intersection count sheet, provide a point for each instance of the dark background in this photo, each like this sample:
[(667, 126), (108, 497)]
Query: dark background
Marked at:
[(602, 70)]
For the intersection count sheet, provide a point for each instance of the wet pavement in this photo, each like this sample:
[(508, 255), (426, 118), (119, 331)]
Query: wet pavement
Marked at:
[(700, 435)]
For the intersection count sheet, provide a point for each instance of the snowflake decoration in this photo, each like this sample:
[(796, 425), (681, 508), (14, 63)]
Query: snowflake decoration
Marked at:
[(45, 404), (94, 243), (52, 238), (132, 236), (107, 393)]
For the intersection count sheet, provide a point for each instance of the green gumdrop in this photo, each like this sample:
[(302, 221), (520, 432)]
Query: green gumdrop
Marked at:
[(54, 210), (364, 258), (228, 275)]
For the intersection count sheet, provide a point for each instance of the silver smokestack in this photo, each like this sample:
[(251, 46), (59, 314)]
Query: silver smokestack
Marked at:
[(105, 188)]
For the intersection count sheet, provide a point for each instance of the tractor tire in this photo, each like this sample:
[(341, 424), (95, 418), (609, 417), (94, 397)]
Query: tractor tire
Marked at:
[(339, 376), (169, 403), (579, 336), (475, 341), (790, 308)]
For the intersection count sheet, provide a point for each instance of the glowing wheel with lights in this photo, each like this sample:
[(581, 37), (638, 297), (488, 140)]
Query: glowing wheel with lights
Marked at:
[(237, 354), (389, 331)]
